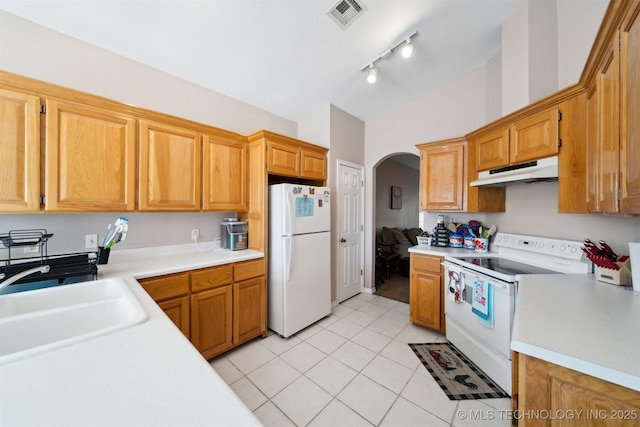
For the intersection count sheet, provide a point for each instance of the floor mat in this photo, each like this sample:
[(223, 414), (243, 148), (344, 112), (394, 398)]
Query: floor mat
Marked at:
[(458, 377)]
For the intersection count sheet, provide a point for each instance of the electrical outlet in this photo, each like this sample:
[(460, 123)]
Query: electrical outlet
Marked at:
[(195, 233), (91, 241), (33, 249)]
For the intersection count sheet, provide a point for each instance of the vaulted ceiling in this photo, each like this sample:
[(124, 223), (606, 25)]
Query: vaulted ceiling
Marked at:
[(288, 56)]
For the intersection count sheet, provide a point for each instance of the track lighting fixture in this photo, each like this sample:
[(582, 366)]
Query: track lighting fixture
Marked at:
[(407, 51), (372, 75)]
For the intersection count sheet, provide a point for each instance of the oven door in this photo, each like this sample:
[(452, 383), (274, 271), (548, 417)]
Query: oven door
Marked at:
[(484, 337)]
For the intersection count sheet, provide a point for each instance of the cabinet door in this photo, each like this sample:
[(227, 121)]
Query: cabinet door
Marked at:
[(90, 158), (592, 151), (426, 303), (607, 82), (170, 168), (178, 311), (492, 150), (224, 174), (283, 159), (249, 305), (629, 110), (211, 320), (313, 164), (20, 148), (424, 299), (442, 178), (534, 137)]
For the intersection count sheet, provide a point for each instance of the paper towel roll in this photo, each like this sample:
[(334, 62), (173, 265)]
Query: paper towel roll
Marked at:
[(634, 254)]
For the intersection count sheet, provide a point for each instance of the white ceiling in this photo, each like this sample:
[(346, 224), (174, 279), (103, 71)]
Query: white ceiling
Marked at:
[(288, 56)]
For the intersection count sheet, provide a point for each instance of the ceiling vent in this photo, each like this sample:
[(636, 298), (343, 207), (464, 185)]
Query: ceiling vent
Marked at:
[(344, 12)]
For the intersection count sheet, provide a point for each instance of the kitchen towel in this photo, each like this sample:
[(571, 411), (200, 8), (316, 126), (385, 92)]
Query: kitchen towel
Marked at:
[(482, 301), (454, 284)]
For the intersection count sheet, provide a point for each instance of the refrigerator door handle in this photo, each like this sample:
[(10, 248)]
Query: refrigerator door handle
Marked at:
[(288, 213), (288, 255)]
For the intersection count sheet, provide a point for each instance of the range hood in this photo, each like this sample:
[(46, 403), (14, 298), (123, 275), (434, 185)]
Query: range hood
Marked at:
[(538, 170)]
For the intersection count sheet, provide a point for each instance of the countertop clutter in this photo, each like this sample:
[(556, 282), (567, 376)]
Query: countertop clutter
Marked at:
[(148, 374), (594, 324)]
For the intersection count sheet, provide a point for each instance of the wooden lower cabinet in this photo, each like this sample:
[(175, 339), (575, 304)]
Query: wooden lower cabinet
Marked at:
[(249, 302), (549, 395), (177, 309), (217, 308), (212, 320), (426, 294)]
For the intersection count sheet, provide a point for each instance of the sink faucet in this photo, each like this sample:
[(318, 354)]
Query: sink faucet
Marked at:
[(13, 279)]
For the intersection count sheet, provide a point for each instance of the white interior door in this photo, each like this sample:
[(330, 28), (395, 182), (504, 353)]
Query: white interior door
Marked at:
[(350, 229)]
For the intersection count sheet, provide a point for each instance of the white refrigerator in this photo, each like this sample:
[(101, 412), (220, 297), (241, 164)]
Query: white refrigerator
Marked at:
[(299, 280)]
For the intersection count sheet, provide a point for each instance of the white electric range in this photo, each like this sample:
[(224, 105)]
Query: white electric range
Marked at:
[(481, 294)]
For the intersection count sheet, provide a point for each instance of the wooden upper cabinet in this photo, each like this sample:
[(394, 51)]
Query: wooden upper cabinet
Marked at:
[(529, 138), (442, 176), (283, 159), (291, 157), (90, 158), (492, 150), (20, 148), (224, 173), (629, 111), (169, 168), (607, 83), (534, 137), (592, 150), (313, 164)]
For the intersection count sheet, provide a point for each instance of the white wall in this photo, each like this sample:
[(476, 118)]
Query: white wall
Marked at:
[(449, 111), (578, 23), (391, 173), (34, 51)]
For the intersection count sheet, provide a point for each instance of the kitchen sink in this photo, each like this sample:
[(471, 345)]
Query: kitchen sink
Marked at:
[(43, 320)]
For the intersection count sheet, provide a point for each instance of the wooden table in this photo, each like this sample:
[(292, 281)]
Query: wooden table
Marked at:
[(387, 259)]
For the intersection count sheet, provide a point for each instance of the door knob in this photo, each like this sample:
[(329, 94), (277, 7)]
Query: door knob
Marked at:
[(343, 240)]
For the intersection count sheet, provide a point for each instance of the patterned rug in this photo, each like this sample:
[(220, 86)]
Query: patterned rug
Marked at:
[(458, 377)]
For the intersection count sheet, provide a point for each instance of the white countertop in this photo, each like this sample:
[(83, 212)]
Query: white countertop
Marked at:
[(145, 375), (574, 321), (438, 251), (157, 261)]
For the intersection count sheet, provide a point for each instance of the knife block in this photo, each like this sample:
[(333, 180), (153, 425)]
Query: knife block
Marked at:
[(620, 277)]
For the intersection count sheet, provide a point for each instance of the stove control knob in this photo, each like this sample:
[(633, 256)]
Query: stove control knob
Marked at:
[(541, 245), (574, 249), (563, 248)]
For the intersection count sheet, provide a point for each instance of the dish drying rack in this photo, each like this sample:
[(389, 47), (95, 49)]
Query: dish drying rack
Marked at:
[(61, 266)]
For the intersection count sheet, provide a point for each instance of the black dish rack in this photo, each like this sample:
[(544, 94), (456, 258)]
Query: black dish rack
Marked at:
[(62, 267)]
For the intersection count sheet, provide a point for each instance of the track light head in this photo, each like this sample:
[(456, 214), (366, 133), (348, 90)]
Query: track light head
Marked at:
[(372, 76), (407, 49)]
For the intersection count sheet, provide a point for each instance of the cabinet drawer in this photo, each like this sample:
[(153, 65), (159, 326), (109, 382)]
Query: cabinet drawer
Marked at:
[(165, 287), (211, 278), (248, 269), (426, 263)]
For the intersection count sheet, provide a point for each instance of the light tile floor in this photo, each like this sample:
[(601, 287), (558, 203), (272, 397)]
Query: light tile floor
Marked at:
[(352, 368)]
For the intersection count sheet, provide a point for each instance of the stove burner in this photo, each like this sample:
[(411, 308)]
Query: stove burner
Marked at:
[(506, 266)]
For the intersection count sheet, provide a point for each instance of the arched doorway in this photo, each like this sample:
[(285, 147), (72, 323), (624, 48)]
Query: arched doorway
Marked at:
[(396, 210)]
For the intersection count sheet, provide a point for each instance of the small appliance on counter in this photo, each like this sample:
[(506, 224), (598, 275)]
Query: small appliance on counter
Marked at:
[(233, 234)]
